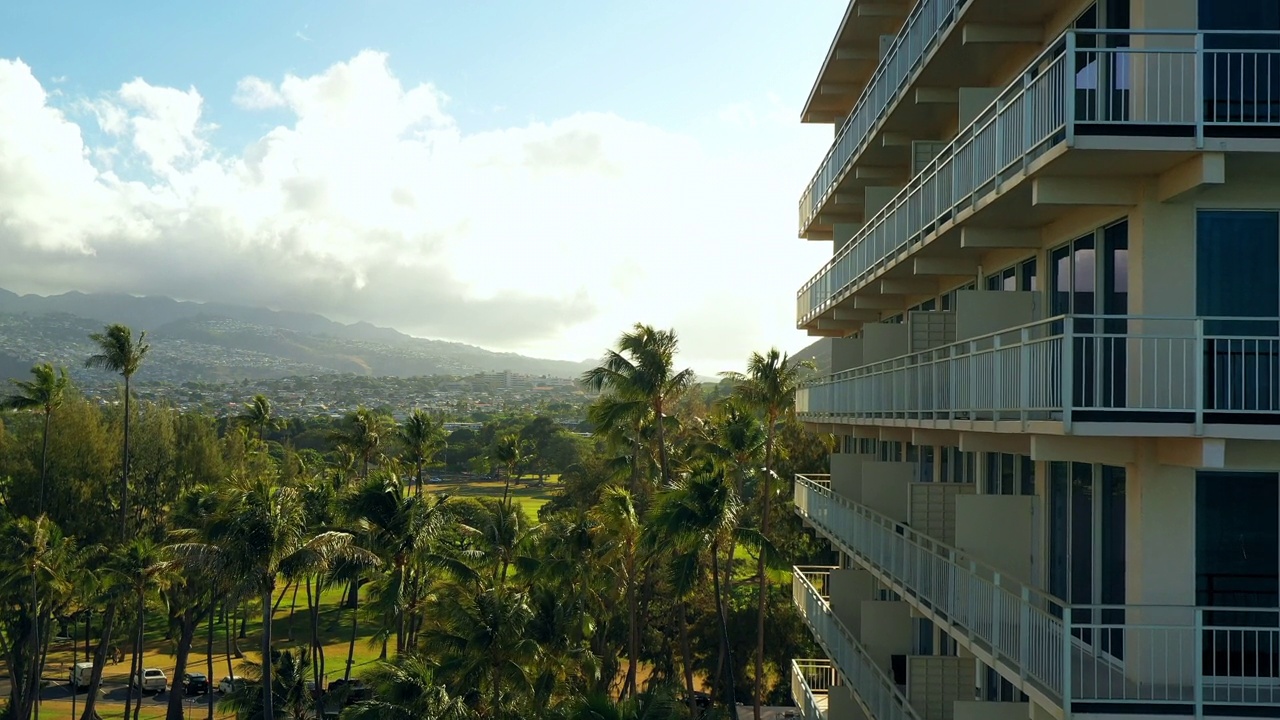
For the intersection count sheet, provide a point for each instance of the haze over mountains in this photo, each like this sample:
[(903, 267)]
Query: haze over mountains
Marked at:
[(219, 342)]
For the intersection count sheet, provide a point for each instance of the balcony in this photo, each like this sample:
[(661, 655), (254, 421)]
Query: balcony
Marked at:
[(810, 681), (1173, 89), (1072, 374), (876, 692), (920, 34), (1169, 660)]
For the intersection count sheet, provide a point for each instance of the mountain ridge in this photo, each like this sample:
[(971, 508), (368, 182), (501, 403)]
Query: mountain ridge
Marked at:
[(309, 339)]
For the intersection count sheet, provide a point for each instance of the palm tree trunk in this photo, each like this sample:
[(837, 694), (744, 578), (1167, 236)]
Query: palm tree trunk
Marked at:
[(351, 649), (99, 663), (267, 711), (662, 443), (725, 648), (208, 658), (75, 658), (293, 609), (633, 625), (44, 459), (767, 490), (226, 637), (124, 482), (137, 652), (686, 657), (186, 637)]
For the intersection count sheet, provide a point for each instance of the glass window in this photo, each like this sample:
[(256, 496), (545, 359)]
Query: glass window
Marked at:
[(1237, 256), (1027, 473), (1029, 276)]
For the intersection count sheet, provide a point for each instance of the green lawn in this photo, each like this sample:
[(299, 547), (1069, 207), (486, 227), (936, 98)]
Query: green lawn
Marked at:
[(531, 498)]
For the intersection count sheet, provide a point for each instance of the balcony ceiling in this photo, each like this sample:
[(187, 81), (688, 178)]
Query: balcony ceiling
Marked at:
[(852, 57)]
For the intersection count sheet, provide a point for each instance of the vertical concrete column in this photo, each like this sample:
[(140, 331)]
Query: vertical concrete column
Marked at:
[(886, 487), (841, 705), (997, 530), (849, 589), (846, 475), (843, 233), (886, 631)]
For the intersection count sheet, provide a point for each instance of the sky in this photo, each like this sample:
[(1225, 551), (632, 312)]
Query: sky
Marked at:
[(523, 176)]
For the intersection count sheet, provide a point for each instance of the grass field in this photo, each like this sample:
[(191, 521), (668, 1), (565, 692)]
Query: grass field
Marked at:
[(530, 497)]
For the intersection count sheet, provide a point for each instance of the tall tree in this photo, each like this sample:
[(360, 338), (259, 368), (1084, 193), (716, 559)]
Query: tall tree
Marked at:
[(118, 352), (511, 451), (702, 512), (422, 438), (43, 393), (769, 386), (407, 689), (643, 368), (363, 434), (260, 533), (257, 415), (620, 529)]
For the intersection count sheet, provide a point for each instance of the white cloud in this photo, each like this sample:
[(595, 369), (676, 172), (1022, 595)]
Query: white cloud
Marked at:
[(254, 93), (371, 203)]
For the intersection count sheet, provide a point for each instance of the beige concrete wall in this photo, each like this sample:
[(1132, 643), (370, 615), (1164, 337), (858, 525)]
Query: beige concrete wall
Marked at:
[(841, 705), (846, 354), (849, 589), (1252, 455), (842, 233), (997, 530), (975, 710), (881, 341), (846, 475), (973, 100), (886, 631), (935, 683), (932, 507), (980, 312), (885, 487), (1159, 569)]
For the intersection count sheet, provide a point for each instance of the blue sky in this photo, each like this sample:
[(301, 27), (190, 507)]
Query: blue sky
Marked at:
[(720, 81)]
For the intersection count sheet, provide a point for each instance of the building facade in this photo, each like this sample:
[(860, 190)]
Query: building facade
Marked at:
[(1053, 304)]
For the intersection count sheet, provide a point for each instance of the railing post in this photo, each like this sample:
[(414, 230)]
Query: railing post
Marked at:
[(997, 386), (995, 616), (1068, 373), (1069, 86), (1066, 661), (1198, 678), (1201, 96), (1199, 351), (972, 626), (1024, 375), (1024, 633)]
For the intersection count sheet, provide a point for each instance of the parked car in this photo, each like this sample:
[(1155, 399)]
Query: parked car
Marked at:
[(230, 683), (150, 680), (436, 480), (80, 674), (194, 684)]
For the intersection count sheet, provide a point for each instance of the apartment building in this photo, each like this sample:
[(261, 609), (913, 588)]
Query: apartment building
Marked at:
[(1053, 304)]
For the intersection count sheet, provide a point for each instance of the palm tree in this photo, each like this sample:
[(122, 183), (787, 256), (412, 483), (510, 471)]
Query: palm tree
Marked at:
[(482, 642), (402, 530), (363, 435), (284, 679), (769, 387), (257, 415), (422, 438), (259, 534), (735, 443), (643, 369), (406, 689), (120, 353), (510, 450), (621, 526), (702, 512), (652, 705), (142, 567), (43, 393)]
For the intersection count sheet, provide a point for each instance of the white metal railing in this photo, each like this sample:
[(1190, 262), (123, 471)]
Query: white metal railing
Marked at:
[(1095, 81), (1071, 368), (1183, 658), (810, 681), (923, 29), (875, 690)]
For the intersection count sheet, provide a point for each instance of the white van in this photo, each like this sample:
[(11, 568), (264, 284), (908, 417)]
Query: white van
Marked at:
[(81, 672)]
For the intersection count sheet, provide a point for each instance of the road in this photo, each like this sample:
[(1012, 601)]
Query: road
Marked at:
[(112, 698)]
